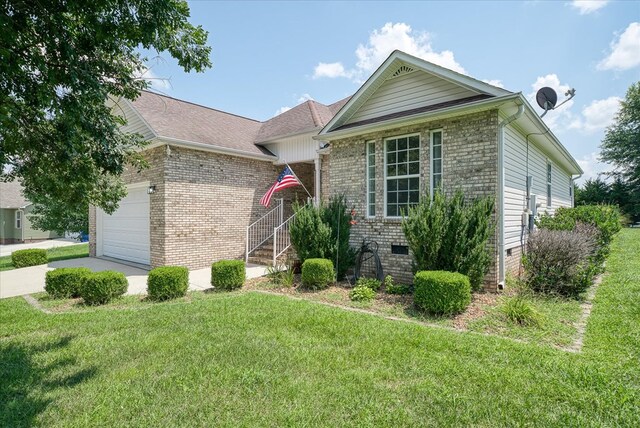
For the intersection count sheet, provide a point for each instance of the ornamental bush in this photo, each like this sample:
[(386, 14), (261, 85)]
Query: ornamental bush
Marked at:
[(98, 288), (317, 274), (392, 288), (63, 283), (228, 274), (30, 257), (441, 292), (362, 293), (371, 283), (559, 262), (520, 311), (451, 234), (167, 282)]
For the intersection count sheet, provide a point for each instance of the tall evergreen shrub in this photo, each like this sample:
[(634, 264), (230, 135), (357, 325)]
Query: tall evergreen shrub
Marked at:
[(335, 214), (451, 234)]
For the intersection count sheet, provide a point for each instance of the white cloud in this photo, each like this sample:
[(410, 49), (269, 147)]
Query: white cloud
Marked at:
[(494, 82), (592, 167), (597, 115), (560, 118), (586, 7), (381, 43), (282, 110), (304, 97), (625, 51), (331, 70), (159, 83)]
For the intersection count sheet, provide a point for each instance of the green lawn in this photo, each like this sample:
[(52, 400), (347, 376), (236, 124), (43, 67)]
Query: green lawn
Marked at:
[(53, 254), (251, 359)]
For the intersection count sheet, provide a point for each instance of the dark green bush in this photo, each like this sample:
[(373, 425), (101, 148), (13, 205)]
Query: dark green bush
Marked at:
[(323, 232), (441, 293), (559, 262), (362, 293), (228, 274), (98, 288), (371, 283), (391, 288), (451, 234), (317, 274), (167, 282), (30, 257), (63, 283), (606, 218)]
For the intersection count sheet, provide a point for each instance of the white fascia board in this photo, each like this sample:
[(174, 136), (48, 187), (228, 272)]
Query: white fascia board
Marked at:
[(135, 111), (278, 138), (481, 105), (161, 141)]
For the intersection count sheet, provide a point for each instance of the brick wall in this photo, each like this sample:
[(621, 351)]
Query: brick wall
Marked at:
[(469, 162), (513, 262)]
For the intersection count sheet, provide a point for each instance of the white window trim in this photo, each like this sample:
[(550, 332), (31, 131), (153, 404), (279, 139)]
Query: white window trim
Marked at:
[(433, 131), (549, 179), (384, 154), (18, 219), (368, 154)]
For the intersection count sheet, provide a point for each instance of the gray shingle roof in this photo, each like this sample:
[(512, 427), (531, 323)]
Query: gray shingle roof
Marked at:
[(11, 195)]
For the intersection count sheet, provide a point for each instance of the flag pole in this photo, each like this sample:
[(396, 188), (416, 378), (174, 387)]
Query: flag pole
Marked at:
[(299, 181)]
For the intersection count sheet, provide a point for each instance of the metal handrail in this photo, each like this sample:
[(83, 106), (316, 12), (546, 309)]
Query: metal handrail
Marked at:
[(261, 230), (281, 238)]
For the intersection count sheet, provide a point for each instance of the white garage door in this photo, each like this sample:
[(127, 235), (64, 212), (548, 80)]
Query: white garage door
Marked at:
[(125, 233)]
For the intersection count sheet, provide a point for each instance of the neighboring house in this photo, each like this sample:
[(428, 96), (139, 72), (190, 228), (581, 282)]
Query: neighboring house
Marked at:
[(15, 226), (411, 127)]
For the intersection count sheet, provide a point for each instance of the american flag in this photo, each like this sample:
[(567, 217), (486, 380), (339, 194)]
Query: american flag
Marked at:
[(286, 179)]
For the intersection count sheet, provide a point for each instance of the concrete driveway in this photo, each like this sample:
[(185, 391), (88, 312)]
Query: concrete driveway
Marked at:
[(6, 250), (30, 280)]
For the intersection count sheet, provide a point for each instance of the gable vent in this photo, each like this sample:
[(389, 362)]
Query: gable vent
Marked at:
[(404, 69)]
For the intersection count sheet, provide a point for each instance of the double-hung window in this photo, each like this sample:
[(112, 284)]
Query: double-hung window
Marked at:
[(548, 184), (18, 219), (436, 161), (371, 178), (402, 174)]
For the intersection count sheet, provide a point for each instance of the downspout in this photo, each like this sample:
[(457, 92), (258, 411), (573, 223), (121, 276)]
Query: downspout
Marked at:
[(501, 228)]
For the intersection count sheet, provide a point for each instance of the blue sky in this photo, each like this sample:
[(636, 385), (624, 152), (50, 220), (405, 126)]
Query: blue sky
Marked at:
[(269, 56)]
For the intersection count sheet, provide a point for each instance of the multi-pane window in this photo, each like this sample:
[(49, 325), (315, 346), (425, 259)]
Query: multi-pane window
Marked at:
[(371, 179), (402, 168), (548, 184), (18, 219), (436, 160)]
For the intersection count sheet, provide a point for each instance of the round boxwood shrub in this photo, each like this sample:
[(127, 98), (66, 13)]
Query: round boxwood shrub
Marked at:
[(317, 274), (441, 292), (101, 287), (63, 283), (228, 274), (167, 282), (30, 257)]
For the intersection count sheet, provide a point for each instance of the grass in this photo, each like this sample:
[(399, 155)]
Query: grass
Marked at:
[(53, 254), (252, 359)]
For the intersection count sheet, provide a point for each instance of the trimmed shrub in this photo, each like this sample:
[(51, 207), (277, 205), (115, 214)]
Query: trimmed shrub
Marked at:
[(317, 274), (371, 283), (451, 234), (519, 311), (362, 293), (167, 282), (559, 262), (606, 218), (228, 274), (441, 292), (98, 288), (63, 283), (30, 257)]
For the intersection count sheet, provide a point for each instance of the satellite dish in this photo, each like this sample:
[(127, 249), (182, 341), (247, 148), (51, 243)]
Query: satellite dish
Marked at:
[(546, 98)]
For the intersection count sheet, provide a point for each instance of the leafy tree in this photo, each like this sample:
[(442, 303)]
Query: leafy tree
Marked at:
[(60, 217), (60, 62), (621, 144), (594, 192)]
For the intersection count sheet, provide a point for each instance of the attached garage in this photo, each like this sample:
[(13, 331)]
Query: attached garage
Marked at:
[(125, 233)]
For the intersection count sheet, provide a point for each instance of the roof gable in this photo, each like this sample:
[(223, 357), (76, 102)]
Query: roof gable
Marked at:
[(403, 83), (11, 195)]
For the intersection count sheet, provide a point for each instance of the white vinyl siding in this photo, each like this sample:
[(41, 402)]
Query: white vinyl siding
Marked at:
[(135, 124), (402, 173), (436, 161), (371, 179), (515, 164), (409, 91), (299, 148), (549, 184)]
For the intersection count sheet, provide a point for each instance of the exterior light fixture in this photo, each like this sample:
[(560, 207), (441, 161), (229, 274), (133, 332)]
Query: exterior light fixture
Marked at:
[(151, 190)]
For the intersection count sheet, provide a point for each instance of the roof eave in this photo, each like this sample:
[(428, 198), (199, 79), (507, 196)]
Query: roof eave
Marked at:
[(162, 140), (276, 138)]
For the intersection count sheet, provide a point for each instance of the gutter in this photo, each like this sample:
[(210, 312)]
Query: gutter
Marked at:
[(161, 141), (501, 227)]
